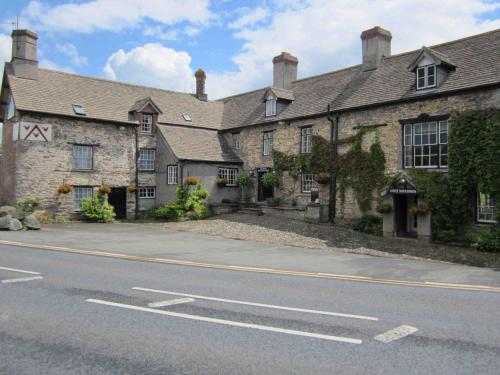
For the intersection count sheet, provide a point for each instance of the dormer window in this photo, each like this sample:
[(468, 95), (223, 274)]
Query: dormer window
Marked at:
[(146, 123), (270, 107), (426, 77)]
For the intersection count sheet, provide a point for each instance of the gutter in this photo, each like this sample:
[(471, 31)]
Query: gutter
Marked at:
[(334, 135)]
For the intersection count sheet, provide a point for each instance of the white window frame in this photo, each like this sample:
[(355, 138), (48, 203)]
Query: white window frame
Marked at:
[(420, 137), (146, 123), (236, 141), (306, 140), (271, 107), (148, 192), (424, 73), (228, 174), (80, 193), (486, 208), (172, 174), (307, 182), (147, 159), (83, 154), (267, 142)]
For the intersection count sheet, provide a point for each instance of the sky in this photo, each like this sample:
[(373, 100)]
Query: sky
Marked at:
[(161, 43)]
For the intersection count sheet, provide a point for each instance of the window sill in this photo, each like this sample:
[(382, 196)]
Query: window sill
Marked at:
[(83, 170), (146, 171)]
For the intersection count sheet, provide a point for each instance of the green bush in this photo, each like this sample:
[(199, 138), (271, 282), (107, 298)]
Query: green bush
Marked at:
[(243, 179), (368, 224), (28, 205), (97, 208), (489, 240), (271, 179), (190, 203)]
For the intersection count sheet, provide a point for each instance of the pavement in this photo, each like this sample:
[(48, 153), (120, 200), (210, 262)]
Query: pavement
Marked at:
[(152, 241), (67, 313)]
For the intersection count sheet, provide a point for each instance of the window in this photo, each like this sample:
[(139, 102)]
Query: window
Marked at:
[(146, 159), (268, 143), (486, 208), (82, 157), (306, 140), (307, 182), (147, 192), (425, 145), (79, 110), (11, 109), (172, 174), (236, 141), (146, 123), (186, 117), (229, 174), (80, 193), (271, 107), (426, 77)]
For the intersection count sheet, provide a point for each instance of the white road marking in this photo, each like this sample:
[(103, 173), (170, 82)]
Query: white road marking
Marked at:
[(170, 302), (258, 304), (21, 279), (21, 271), (228, 322), (395, 334)]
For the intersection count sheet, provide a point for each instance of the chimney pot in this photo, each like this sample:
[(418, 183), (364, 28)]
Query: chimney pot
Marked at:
[(376, 44), (284, 70), (24, 54), (200, 84)]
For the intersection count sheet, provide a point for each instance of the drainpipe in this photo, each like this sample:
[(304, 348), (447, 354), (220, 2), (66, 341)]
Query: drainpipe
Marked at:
[(136, 171), (334, 136)]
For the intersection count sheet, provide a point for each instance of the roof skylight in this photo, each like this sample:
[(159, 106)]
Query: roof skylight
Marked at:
[(186, 117), (79, 110)]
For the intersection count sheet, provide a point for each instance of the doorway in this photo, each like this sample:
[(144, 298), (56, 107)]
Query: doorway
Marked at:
[(263, 192), (118, 199), (405, 221)]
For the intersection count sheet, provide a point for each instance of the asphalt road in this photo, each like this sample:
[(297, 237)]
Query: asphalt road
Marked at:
[(77, 314)]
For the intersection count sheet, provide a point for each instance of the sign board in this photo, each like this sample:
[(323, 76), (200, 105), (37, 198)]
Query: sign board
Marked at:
[(263, 169), (30, 131), (403, 191)]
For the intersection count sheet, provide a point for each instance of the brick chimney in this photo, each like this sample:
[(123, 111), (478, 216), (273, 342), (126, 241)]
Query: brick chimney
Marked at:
[(24, 61), (376, 45), (285, 70), (200, 84)]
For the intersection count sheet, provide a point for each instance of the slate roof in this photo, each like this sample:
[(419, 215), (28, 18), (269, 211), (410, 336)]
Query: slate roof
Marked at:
[(477, 61), (198, 144), (56, 92)]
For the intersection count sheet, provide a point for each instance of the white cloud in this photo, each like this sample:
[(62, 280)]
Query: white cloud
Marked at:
[(112, 15), (324, 35), (152, 65), (49, 64), (5, 48), (259, 14), (158, 33), (71, 51)]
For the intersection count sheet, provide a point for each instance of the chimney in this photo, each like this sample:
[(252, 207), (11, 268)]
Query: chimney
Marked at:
[(285, 70), (200, 84), (24, 59), (376, 46)]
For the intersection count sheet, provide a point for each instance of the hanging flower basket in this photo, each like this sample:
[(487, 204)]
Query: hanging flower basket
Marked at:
[(323, 178), (191, 180), (423, 209), (383, 208), (221, 182), (132, 188), (64, 188), (413, 210), (104, 189)]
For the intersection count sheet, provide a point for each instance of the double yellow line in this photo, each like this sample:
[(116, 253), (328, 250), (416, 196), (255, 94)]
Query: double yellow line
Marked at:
[(321, 275)]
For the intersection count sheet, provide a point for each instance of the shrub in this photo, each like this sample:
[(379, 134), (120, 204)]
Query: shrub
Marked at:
[(190, 203), (244, 179), (98, 209), (191, 180), (368, 224), (444, 235), (171, 211), (488, 240), (271, 179), (28, 205), (221, 182)]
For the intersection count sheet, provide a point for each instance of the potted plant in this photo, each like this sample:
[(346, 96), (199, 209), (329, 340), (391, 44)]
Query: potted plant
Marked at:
[(191, 180), (104, 189), (423, 209), (271, 179), (413, 210), (64, 188), (322, 178), (132, 188), (221, 182), (383, 207)]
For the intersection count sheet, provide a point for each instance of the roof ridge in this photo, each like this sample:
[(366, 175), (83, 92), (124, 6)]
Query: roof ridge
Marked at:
[(117, 82), (243, 93)]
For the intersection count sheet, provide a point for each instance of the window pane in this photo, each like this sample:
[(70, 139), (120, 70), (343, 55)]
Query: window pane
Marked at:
[(146, 123), (146, 160), (486, 208), (172, 174), (307, 182), (268, 143), (408, 157), (82, 157), (80, 193), (229, 174)]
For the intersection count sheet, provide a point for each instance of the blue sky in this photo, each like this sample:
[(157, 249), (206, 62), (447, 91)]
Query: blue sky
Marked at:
[(162, 42)]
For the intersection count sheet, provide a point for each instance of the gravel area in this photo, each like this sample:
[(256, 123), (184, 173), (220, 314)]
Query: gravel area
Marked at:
[(281, 231)]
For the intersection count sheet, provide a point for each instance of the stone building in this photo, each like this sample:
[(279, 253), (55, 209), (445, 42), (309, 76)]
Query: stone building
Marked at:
[(407, 98)]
